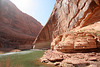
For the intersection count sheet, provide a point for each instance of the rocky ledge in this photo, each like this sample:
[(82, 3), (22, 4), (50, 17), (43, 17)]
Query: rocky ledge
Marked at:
[(91, 59)]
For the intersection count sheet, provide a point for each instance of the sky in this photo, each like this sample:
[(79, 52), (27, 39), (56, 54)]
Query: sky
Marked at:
[(39, 9)]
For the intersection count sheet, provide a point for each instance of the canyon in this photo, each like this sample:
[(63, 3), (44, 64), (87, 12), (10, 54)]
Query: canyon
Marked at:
[(17, 29), (71, 34)]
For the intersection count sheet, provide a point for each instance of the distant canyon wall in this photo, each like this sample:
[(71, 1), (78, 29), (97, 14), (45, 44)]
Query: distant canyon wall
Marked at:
[(17, 29)]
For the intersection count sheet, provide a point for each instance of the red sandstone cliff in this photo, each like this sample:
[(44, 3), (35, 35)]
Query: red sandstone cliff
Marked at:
[(17, 29), (74, 29), (66, 15)]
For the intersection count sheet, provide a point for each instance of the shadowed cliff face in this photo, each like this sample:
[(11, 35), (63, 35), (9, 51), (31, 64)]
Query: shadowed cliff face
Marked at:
[(67, 15), (17, 29)]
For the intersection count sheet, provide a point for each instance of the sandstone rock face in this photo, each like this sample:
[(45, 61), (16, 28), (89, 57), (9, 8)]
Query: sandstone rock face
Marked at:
[(17, 29), (67, 15), (74, 29), (79, 40)]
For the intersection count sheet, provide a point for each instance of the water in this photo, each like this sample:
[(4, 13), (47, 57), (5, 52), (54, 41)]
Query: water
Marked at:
[(28, 58)]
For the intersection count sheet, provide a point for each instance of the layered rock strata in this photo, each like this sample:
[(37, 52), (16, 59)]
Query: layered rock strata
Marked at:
[(17, 29), (84, 38)]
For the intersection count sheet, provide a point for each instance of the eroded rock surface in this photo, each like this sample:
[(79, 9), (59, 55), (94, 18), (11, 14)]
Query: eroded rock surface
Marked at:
[(17, 29), (79, 48)]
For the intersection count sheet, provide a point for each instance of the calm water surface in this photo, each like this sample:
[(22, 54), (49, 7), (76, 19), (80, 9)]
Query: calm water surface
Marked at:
[(28, 58)]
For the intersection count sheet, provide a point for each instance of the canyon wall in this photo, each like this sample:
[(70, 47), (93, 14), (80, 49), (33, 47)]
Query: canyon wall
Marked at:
[(74, 33), (67, 15), (17, 29)]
